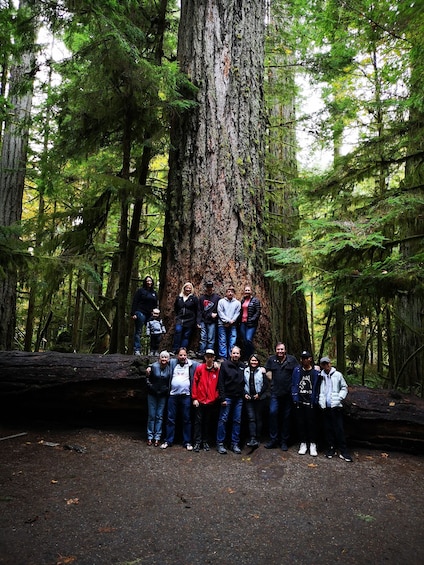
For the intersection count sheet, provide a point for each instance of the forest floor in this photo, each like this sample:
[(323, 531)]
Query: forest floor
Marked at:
[(102, 496)]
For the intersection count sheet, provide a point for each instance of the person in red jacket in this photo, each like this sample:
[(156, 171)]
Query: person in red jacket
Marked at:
[(204, 393)]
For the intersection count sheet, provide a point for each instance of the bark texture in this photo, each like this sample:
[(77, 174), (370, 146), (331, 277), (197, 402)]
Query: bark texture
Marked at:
[(12, 178), (214, 220)]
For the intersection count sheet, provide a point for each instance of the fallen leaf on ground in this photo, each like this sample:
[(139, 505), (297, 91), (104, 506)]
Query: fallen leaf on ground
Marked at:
[(312, 465), (384, 455), (72, 501), (65, 560)]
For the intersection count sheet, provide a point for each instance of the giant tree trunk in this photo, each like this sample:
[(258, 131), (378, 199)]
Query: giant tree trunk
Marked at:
[(409, 334), (289, 322), (12, 177), (214, 224)]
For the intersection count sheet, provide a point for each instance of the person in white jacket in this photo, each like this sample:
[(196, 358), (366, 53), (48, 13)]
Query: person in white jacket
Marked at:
[(333, 391)]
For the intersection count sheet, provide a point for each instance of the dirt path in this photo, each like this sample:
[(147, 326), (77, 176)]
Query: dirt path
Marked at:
[(120, 502)]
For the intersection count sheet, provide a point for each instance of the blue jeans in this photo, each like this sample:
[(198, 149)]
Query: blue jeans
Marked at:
[(226, 340), (139, 322), (207, 337), (155, 410), (176, 402), (247, 335), (181, 337), (233, 405), (280, 405)]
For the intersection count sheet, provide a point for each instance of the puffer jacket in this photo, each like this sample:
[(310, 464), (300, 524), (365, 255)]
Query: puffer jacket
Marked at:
[(339, 389)]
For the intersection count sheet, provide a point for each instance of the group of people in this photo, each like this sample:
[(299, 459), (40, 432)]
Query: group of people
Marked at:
[(222, 319), (195, 390)]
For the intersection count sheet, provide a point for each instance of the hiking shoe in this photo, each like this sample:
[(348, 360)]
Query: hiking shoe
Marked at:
[(313, 450), (271, 445), (206, 446), (196, 447), (346, 457), (221, 449), (303, 449), (189, 447), (252, 443), (330, 453), (235, 449)]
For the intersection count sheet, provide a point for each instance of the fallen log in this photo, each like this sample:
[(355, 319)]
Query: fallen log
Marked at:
[(110, 389)]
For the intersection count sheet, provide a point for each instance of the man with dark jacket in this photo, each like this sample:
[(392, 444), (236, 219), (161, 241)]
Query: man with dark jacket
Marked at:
[(230, 389), (279, 370), (207, 318)]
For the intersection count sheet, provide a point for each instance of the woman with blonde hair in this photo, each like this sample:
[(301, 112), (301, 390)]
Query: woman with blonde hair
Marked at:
[(185, 308)]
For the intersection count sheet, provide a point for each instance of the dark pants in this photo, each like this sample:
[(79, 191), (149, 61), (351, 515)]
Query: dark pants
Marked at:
[(202, 422), (155, 341), (281, 404), (306, 423), (334, 430), (254, 409)]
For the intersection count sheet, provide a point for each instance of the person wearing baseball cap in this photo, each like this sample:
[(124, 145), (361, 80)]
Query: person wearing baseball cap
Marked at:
[(333, 391), (207, 318), (204, 394), (305, 390)]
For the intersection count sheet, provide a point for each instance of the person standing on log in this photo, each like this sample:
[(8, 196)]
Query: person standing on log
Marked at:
[(279, 370), (207, 318), (306, 381), (158, 377), (144, 301), (249, 319), (185, 308), (333, 391), (228, 313)]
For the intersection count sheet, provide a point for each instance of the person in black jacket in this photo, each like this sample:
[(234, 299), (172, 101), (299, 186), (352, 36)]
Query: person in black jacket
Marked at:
[(207, 318), (231, 390), (185, 308), (249, 318), (145, 299), (279, 370)]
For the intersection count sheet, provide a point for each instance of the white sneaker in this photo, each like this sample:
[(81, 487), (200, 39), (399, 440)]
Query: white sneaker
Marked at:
[(164, 445), (313, 450), (303, 449), (189, 447), (137, 353)]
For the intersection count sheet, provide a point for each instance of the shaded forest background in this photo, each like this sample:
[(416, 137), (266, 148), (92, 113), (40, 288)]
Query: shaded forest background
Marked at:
[(86, 111)]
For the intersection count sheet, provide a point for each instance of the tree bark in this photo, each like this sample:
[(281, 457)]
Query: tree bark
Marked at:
[(409, 334), (214, 219), (12, 178)]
